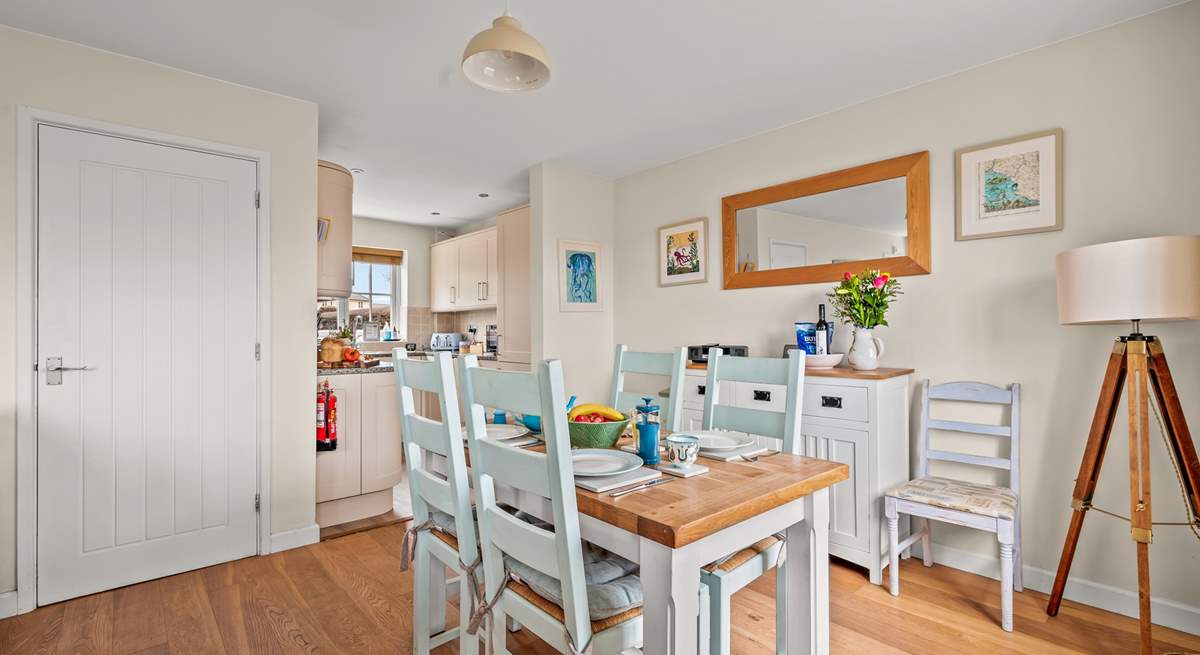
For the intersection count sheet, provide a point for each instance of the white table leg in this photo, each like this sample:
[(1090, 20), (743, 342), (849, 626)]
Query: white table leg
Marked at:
[(805, 596), (671, 609)]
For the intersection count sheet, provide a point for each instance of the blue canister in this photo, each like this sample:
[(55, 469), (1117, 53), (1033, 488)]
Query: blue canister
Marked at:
[(646, 417)]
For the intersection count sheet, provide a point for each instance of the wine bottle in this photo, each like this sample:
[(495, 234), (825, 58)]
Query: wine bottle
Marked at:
[(822, 336)]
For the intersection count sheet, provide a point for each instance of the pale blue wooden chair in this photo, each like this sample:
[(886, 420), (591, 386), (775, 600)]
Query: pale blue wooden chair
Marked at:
[(721, 579), (670, 365), (443, 524), (534, 572), (993, 508)]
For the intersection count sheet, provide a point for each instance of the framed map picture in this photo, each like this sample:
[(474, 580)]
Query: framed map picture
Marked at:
[(1009, 187), (683, 252), (579, 265)]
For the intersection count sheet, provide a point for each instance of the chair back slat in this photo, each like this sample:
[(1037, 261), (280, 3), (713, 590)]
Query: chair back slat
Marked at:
[(539, 393), (524, 542), (966, 458), (971, 392), (719, 415), (753, 421), (974, 428), (428, 434), (429, 490), (670, 365), (510, 391)]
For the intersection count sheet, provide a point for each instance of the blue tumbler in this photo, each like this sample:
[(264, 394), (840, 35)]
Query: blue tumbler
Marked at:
[(646, 417)]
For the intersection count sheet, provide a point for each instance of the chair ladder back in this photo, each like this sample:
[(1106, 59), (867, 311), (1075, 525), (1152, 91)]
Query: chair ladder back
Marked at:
[(429, 490), (784, 426), (973, 392), (671, 365), (550, 475)]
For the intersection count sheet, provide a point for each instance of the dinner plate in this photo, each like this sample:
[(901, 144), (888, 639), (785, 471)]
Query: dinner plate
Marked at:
[(593, 462), (717, 440), (501, 431)]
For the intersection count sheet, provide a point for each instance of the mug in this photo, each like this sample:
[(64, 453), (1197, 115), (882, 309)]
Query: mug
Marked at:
[(682, 449)]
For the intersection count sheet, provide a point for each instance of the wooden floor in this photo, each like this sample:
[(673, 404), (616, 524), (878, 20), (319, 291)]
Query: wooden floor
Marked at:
[(347, 595)]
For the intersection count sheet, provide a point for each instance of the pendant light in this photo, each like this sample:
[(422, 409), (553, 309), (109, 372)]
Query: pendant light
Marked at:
[(506, 59)]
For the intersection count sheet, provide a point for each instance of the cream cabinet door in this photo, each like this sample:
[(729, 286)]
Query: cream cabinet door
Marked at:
[(491, 279), (849, 501), (472, 270), (339, 473), (513, 285), (382, 459), (443, 276)]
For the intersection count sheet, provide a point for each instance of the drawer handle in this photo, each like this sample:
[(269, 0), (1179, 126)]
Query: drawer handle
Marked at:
[(831, 401), (763, 396), (700, 389)]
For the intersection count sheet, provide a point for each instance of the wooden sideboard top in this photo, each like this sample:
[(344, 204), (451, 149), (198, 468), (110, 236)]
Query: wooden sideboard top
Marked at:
[(839, 372)]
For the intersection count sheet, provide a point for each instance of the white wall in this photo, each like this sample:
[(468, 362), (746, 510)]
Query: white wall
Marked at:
[(826, 240), (63, 77), (1127, 100), (415, 239), (575, 206)]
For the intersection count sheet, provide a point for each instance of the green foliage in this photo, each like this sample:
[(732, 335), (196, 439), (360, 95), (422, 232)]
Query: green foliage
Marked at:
[(862, 300)]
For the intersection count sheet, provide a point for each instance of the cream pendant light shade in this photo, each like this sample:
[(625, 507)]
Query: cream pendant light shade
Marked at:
[(504, 58)]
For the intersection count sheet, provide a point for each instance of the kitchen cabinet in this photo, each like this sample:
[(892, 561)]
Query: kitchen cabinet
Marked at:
[(464, 272), (356, 480), (859, 420), (512, 310), (335, 190)]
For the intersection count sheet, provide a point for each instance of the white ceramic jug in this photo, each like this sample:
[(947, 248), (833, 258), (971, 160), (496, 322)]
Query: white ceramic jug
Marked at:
[(866, 350)]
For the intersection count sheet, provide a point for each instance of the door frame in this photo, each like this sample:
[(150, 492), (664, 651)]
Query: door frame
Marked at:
[(28, 120)]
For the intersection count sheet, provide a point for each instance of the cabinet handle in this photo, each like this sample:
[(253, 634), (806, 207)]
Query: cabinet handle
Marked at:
[(700, 388), (834, 402), (487, 291), (762, 396), (453, 293)]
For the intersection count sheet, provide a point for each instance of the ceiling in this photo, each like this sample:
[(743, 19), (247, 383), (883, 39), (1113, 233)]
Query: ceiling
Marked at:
[(878, 206), (634, 84)]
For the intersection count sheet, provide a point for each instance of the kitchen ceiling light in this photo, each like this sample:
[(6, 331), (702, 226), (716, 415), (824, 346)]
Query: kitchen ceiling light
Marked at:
[(483, 195), (435, 213), (504, 58)]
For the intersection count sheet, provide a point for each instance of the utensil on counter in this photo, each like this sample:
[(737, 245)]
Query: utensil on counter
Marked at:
[(640, 487)]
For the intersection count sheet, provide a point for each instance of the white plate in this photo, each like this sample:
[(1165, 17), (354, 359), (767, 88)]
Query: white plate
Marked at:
[(592, 462), (716, 440), (500, 431)]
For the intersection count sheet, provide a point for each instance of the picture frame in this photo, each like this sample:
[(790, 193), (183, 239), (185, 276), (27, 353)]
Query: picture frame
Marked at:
[(580, 264), (1009, 187), (683, 252)]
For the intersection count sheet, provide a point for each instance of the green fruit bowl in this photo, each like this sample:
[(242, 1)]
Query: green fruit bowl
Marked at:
[(596, 435)]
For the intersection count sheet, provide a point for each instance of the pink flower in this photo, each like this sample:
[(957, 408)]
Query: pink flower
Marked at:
[(846, 276), (880, 281)]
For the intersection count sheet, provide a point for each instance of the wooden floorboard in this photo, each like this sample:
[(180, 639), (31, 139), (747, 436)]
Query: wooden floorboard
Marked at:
[(348, 595)]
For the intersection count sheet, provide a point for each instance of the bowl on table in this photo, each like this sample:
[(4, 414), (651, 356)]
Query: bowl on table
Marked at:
[(596, 435), (823, 361)]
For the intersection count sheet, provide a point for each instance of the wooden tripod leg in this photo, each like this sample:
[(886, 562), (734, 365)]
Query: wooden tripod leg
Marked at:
[(1140, 518), (1178, 435), (1089, 468)]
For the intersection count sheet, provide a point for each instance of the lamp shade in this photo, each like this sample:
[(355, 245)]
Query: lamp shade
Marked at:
[(505, 58), (1152, 279)]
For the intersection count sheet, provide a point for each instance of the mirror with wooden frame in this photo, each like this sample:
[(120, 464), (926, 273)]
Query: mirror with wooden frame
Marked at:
[(817, 228)]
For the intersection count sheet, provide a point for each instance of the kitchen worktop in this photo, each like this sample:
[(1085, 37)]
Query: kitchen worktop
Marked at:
[(385, 365)]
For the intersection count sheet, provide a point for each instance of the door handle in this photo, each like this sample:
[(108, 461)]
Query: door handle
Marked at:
[(55, 368)]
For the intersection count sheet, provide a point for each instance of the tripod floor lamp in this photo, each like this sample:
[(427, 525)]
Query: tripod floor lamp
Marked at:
[(1132, 281)]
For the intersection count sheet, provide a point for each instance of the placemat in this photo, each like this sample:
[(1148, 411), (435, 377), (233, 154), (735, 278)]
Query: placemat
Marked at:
[(610, 482), (735, 454)]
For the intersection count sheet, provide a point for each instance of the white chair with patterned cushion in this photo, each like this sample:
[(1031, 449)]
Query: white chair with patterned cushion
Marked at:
[(994, 508), (671, 365), (574, 596), (443, 524), (721, 579)]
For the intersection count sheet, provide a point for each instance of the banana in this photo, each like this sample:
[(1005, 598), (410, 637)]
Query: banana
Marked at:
[(594, 408)]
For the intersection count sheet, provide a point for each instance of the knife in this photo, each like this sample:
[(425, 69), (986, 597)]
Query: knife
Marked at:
[(645, 485)]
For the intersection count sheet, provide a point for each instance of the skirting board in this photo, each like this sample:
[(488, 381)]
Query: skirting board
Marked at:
[(8, 604), (1166, 613), (289, 539)]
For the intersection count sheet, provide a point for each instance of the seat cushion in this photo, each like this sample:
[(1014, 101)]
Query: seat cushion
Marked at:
[(613, 586), (744, 555), (446, 531), (972, 497)]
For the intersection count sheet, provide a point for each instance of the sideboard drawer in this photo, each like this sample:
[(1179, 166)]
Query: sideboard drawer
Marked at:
[(769, 397), (695, 388), (835, 401)]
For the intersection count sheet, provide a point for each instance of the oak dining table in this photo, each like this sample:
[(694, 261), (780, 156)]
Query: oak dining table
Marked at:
[(672, 530)]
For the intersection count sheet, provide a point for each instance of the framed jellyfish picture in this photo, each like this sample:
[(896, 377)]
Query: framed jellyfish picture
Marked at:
[(579, 265)]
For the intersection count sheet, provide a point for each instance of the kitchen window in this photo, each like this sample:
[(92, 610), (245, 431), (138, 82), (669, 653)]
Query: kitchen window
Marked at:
[(378, 295)]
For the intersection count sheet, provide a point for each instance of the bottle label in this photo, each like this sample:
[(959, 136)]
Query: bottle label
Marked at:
[(822, 343)]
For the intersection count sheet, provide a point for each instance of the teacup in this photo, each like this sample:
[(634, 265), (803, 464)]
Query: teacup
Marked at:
[(682, 450)]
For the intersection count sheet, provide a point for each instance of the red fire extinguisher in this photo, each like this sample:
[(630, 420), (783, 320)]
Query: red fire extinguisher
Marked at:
[(326, 419)]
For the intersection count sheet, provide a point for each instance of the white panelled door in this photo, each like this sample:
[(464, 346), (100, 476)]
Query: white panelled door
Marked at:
[(147, 460)]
